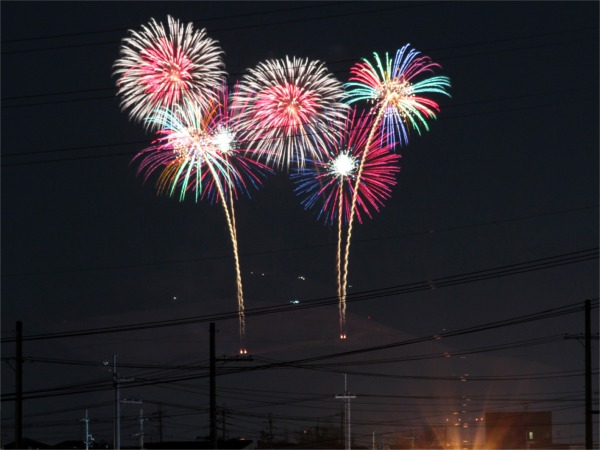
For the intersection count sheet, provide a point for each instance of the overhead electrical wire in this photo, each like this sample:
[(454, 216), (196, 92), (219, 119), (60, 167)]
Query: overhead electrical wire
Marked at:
[(107, 384), (337, 62), (417, 357), (367, 295), (130, 153), (228, 17), (295, 249), (453, 280), (235, 28)]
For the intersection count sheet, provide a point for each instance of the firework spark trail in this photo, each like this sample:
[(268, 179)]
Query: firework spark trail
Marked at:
[(240, 288), (351, 221), (342, 305), (330, 184), (394, 94), (294, 110), (160, 68), (230, 216), (198, 150)]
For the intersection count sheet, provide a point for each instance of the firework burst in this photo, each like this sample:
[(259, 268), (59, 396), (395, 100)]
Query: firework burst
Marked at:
[(199, 150), (160, 67), (329, 186), (398, 103), (294, 110), (394, 88), (324, 184)]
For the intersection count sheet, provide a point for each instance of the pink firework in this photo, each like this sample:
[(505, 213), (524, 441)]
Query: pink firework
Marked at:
[(160, 68), (294, 110), (328, 185), (199, 150)]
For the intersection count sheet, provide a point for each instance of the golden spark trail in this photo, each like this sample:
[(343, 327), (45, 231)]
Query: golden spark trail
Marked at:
[(231, 225), (342, 304), (351, 218), (242, 316)]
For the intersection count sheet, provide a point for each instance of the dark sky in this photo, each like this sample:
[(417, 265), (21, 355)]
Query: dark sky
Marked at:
[(507, 175)]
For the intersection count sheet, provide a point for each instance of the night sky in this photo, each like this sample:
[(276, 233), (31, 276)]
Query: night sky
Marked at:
[(494, 217)]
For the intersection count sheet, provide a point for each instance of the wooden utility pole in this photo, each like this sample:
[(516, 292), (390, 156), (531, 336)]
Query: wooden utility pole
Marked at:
[(213, 383), (160, 422), (213, 388), (117, 424), (587, 344), (19, 387), (589, 431)]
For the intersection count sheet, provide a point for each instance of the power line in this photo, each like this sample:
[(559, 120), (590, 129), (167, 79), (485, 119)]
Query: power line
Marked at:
[(145, 142), (204, 19), (331, 63), (235, 28), (418, 357), (485, 274), (304, 363), (296, 249), (132, 153)]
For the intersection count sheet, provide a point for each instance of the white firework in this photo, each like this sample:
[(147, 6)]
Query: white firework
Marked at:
[(162, 67), (293, 109)]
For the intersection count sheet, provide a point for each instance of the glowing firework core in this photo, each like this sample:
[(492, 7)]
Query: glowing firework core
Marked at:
[(393, 92), (224, 139), (343, 165), (192, 143)]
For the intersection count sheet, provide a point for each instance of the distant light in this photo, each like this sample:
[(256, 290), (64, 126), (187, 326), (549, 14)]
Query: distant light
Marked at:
[(294, 302), (302, 277)]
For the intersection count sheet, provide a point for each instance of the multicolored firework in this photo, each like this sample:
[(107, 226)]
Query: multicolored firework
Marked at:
[(397, 101), (200, 150), (294, 110), (330, 185), (393, 87), (161, 68)]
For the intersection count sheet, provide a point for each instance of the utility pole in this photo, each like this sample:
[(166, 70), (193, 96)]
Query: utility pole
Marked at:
[(88, 436), (127, 401), (213, 388), (223, 422), (213, 384), (19, 387), (142, 420), (160, 423), (142, 428), (116, 384), (589, 432), (346, 397), (587, 344), (117, 426)]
